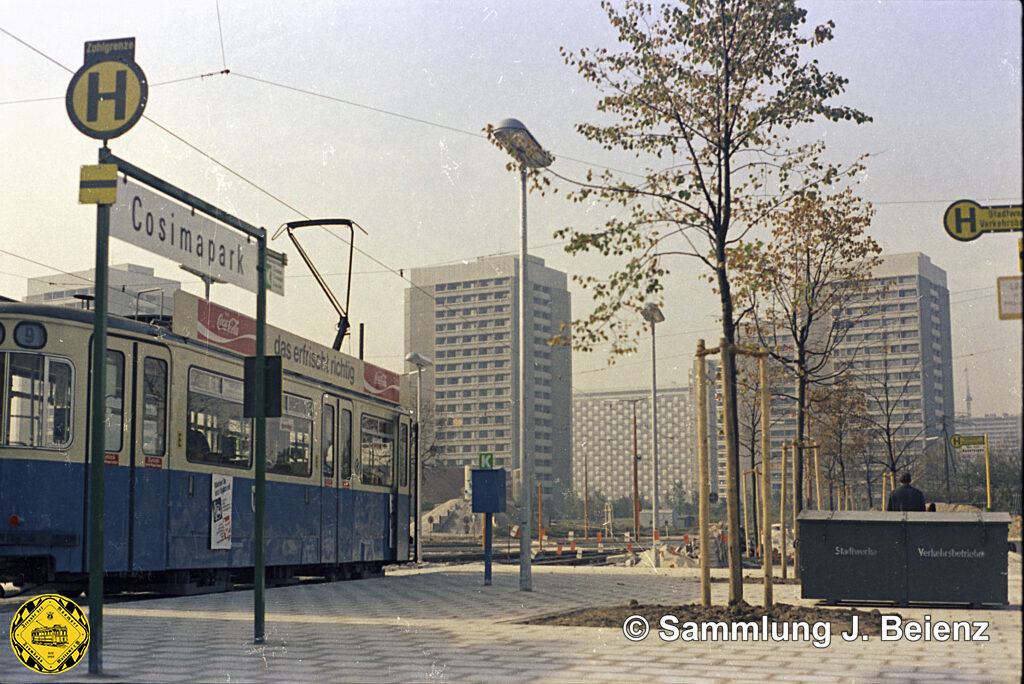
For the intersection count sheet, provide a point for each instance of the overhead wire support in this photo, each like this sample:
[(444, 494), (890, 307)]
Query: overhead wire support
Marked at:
[(342, 311)]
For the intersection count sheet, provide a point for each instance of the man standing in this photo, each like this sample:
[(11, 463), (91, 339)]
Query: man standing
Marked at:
[(905, 497)]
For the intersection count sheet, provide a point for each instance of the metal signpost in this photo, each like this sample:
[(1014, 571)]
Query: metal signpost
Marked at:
[(488, 486), (105, 98), (969, 445)]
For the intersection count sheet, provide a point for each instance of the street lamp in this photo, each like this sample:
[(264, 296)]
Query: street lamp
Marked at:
[(420, 362), (652, 314), (517, 140)]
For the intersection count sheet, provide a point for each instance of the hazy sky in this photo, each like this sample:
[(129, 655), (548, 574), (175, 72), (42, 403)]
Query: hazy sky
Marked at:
[(941, 79)]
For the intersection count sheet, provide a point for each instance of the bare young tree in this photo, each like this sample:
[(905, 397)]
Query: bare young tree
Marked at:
[(890, 409), (836, 419)]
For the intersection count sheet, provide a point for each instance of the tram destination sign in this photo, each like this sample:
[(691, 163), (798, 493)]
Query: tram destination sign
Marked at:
[(147, 219)]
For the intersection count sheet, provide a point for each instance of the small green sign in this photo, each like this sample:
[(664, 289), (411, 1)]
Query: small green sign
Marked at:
[(486, 461)]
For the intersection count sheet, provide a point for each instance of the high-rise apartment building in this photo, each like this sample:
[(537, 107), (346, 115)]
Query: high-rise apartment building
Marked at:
[(901, 349), (132, 289), (603, 442), (464, 317)]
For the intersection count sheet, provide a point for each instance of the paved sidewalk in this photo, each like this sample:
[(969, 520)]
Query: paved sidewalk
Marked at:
[(441, 625)]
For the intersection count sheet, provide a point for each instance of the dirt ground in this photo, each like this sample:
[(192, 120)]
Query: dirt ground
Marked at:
[(870, 621)]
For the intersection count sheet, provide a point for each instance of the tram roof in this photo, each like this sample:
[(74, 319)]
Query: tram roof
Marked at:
[(84, 316), (131, 325)]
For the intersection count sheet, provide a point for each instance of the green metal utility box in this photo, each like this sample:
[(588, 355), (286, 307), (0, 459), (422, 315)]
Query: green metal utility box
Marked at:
[(904, 557)]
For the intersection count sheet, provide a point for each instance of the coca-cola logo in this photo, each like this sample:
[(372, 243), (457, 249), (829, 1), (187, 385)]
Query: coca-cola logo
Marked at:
[(227, 324)]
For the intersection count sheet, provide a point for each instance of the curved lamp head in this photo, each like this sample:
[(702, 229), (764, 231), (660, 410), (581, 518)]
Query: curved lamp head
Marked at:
[(418, 360), (652, 313), (517, 140)]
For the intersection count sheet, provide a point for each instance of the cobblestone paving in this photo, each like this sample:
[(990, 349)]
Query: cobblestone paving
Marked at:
[(441, 625)]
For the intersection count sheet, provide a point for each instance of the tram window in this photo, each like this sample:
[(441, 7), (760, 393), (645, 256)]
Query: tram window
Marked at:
[(217, 431), (39, 391), (59, 393), (113, 419), (345, 441), (154, 407), (377, 450), (327, 440), (290, 437), (403, 455)]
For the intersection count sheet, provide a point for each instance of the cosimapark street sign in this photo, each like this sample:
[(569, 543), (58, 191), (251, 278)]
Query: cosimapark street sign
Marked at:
[(152, 221), (107, 96)]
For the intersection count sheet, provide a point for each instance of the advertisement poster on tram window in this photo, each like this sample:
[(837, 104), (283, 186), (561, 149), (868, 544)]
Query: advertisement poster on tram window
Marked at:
[(220, 511)]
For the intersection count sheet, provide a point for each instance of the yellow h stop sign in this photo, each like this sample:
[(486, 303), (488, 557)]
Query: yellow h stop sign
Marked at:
[(965, 220), (107, 96)]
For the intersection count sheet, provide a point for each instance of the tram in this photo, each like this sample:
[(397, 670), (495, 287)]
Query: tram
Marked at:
[(179, 464)]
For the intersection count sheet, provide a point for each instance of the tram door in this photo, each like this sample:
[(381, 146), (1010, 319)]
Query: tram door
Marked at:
[(336, 457), (329, 427), (117, 455), (147, 497)]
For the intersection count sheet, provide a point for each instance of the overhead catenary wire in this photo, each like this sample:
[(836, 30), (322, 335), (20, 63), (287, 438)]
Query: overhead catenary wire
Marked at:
[(399, 272), (380, 110), (220, 31)]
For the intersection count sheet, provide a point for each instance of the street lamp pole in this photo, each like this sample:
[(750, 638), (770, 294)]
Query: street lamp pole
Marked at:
[(517, 140), (420, 362), (653, 315)]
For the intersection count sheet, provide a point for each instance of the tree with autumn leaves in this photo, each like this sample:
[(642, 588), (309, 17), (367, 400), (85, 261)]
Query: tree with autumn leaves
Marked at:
[(803, 288), (707, 95)]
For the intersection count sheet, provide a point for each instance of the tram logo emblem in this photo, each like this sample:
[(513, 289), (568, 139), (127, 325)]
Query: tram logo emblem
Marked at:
[(50, 634)]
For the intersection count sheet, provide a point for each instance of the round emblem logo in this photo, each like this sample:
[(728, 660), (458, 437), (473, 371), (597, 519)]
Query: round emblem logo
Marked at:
[(50, 634)]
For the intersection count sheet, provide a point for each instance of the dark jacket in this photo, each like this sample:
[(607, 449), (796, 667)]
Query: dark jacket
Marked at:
[(905, 498)]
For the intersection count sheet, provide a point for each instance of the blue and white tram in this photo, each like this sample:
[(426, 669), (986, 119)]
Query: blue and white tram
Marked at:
[(338, 459)]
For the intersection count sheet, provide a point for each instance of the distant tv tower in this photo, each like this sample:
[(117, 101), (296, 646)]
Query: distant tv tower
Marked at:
[(967, 400)]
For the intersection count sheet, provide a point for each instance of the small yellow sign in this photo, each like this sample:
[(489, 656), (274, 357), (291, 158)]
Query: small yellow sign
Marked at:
[(50, 634), (98, 184), (965, 220)]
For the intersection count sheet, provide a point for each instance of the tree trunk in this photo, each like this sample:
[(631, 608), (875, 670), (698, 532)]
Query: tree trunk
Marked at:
[(732, 425), (798, 462)]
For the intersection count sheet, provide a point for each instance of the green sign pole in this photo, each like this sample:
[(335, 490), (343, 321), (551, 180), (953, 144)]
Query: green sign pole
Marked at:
[(260, 390), (260, 444), (97, 434)]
